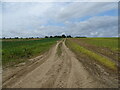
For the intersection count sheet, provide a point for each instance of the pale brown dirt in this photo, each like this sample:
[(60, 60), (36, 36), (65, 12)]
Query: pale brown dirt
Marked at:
[(51, 71)]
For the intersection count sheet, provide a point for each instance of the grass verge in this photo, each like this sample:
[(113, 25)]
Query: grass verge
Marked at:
[(79, 49), (59, 49)]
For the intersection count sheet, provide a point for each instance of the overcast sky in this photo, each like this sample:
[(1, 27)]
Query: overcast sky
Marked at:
[(31, 19)]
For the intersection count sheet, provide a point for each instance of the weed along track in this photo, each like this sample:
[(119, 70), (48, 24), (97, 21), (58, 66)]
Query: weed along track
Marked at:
[(58, 68)]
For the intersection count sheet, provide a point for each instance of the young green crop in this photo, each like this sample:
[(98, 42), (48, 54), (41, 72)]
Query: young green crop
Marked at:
[(111, 43), (14, 52)]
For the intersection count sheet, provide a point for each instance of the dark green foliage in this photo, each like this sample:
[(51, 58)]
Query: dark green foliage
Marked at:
[(69, 36), (63, 36), (46, 36)]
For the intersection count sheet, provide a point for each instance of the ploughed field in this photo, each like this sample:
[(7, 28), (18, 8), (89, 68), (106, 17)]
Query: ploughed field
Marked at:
[(61, 63)]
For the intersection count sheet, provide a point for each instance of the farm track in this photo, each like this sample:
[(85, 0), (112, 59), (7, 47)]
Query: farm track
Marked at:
[(52, 71)]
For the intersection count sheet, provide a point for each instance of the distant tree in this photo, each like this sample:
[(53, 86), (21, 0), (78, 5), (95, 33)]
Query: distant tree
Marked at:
[(68, 36), (30, 37), (37, 37), (80, 37), (63, 36), (59, 36), (46, 36), (16, 37), (55, 36), (51, 36), (3, 38)]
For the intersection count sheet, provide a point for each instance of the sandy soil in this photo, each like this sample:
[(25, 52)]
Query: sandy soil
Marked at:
[(51, 71)]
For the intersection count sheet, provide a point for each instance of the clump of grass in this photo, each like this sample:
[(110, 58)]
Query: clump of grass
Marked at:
[(59, 49), (79, 49)]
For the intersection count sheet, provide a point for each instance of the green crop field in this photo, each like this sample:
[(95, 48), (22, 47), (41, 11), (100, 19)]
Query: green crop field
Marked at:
[(111, 43), (14, 52)]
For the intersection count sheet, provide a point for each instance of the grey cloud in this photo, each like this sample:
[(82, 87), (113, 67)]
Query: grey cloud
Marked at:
[(97, 26), (84, 9), (29, 19)]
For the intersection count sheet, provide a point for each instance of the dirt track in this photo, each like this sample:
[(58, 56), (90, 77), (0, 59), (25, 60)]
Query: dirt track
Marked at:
[(53, 71)]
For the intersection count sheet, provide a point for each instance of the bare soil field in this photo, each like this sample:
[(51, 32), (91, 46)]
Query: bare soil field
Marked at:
[(59, 68)]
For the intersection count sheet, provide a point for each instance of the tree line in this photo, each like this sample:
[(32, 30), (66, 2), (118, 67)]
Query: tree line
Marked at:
[(62, 36), (21, 38), (56, 36)]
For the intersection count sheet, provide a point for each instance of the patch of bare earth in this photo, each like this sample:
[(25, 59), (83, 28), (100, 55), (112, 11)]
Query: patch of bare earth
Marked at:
[(53, 71)]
